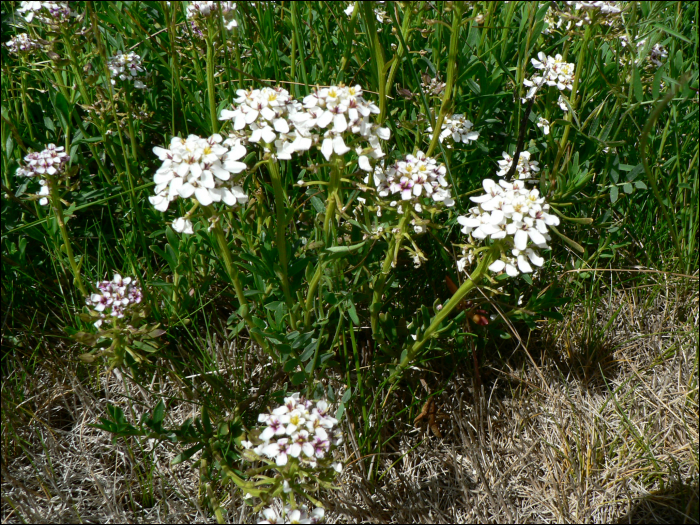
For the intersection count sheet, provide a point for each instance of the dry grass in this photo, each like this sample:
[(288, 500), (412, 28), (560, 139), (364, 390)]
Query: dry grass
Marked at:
[(600, 424)]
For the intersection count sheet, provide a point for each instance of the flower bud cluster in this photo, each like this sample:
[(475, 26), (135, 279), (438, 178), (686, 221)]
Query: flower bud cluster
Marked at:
[(300, 431), (525, 168), (47, 12), (509, 210), (22, 43), (50, 162), (555, 72), (126, 66), (288, 515), (458, 128), (199, 168), (199, 10), (414, 177), (115, 297), (605, 8)]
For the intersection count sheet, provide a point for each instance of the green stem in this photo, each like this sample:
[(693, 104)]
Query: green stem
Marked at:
[(300, 43), (332, 199), (25, 106), (574, 100), (467, 286), (449, 82), (58, 212), (130, 121), (389, 261), (281, 230), (235, 277), (400, 51)]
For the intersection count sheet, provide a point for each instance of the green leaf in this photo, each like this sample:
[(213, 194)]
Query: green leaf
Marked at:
[(627, 188), (637, 85), (159, 413), (614, 194), (640, 185), (187, 454), (298, 378)]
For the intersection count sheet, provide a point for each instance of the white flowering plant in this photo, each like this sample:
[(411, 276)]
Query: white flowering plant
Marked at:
[(320, 198)]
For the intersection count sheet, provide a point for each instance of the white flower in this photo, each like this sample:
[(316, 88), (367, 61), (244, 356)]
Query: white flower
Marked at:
[(126, 67), (458, 128), (182, 225), (555, 72), (349, 9), (22, 42), (509, 210), (199, 168), (524, 169), (414, 177), (543, 123), (115, 297), (47, 12)]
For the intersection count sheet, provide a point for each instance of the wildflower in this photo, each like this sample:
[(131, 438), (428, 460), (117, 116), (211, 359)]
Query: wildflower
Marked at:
[(555, 72), (46, 12), (524, 169), (22, 43), (47, 164), (199, 168), (458, 128), (299, 430), (543, 123), (198, 10), (286, 514), (114, 298), (413, 178), (126, 66), (509, 210)]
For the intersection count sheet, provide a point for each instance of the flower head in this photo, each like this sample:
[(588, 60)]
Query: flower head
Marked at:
[(114, 298), (126, 67)]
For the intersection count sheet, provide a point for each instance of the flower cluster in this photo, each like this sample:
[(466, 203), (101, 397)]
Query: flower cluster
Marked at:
[(288, 515), (525, 168), (47, 12), (458, 128), (22, 43), (115, 297), (412, 178), (268, 113), (198, 10), (510, 210), (555, 72), (299, 431), (346, 109), (44, 164), (432, 86), (200, 168), (273, 117), (605, 8), (126, 66)]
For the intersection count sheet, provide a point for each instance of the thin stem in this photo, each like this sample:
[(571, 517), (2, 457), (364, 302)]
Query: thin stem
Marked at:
[(235, 277), (389, 261), (281, 229), (476, 276), (58, 212), (130, 121), (449, 82), (378, 55)]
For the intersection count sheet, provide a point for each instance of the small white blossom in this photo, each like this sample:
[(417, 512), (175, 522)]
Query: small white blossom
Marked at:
[(509, 210), (555, 72), (524, 169), (114, 298), (46, 12), (201, 169), (22, 43), (412, 178), (126, 67), (543, 123), (456, 127)]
